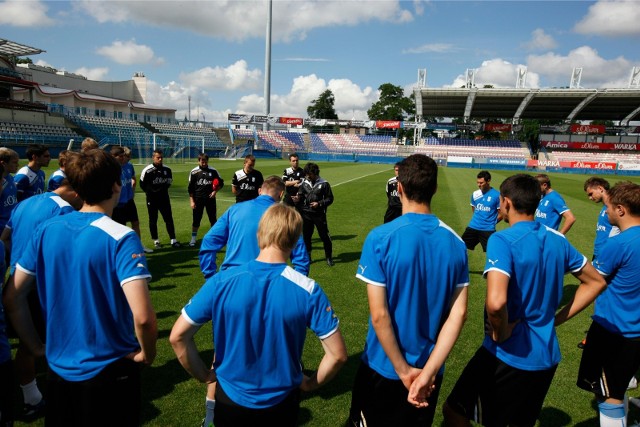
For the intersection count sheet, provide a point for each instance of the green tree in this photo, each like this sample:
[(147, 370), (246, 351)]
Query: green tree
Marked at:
[(322, 106), (393, 105)]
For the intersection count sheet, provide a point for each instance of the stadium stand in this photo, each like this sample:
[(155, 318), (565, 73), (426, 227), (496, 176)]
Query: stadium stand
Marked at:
[(29, 133)]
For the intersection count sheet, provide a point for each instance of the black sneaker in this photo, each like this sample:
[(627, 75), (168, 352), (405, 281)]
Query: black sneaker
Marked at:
[(330, 262), (34, 411), (175, 244)]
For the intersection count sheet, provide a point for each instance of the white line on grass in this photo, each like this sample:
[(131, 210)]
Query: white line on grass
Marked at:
[(360, 177)]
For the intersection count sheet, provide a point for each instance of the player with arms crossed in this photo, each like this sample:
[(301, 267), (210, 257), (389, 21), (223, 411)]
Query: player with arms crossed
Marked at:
[(394, 205), (258, 350), (100, 325), (418, 305), (506, 381), (246, 181)]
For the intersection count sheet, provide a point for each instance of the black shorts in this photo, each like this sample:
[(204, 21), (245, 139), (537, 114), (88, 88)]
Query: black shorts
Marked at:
[(111, 398), (227, 413), (492, 393), (472, 237), (126, 213), (379, 401), (608, 362)]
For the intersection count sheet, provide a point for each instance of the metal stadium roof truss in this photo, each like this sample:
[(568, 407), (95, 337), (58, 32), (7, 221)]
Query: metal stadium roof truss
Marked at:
[(550, 104), (9, 48)]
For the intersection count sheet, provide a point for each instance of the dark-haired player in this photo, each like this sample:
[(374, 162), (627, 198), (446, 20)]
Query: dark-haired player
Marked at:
[(418, 305), (485, 205), (292, 177), (100, 326), (246, 181), (506, 381), (394, 205), (30, 178)]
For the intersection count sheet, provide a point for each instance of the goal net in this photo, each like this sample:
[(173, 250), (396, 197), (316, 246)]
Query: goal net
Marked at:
[(176, 148)]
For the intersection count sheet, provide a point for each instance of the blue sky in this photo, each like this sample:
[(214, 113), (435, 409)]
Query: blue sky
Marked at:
[(214, 50)]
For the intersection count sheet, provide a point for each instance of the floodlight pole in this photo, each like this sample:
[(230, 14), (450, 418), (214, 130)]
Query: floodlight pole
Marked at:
[(267, 67)]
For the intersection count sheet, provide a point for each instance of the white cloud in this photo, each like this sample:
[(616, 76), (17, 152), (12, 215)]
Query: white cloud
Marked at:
[(597, 72), (498, 73), (611, 18), (20, 13), (234, 77), (99, 73), (129, 53), (350, 100), (43, 63), (540, 41), (432, 48), (239, 20)]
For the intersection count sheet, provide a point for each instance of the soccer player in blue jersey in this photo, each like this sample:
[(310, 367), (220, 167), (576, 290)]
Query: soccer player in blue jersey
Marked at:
[(552, 207), (26, 218), (99, 321), (611, 355), (58, 176), (597, 189), (237, 229), (485, 206), (417, 273), (260, 313), (6, 367), (30, 178), (506, 381), (126, 210), (9, 197)]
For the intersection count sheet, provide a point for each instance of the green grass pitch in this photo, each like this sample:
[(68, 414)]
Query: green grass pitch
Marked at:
[(172, 398)]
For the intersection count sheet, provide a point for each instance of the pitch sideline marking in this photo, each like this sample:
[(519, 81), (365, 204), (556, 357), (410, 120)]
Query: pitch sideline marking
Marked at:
[(360, 177)]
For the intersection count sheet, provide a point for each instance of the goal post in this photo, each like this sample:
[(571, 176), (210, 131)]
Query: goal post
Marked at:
[(177, 148)]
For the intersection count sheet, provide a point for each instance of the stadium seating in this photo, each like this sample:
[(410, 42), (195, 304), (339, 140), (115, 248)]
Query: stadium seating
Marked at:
[(29, 133)]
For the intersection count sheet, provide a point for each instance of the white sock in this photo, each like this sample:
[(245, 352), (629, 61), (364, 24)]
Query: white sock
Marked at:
[(208, 419), (173, 241), (30, 393), (612, 415)]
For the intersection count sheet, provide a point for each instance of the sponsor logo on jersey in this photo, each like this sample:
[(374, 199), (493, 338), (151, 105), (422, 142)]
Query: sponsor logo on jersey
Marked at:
[(483, 208), (540, 214)]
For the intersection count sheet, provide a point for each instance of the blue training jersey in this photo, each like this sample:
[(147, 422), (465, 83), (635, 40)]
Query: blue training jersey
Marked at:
[(616, 308), (485, 209), (550, 210), (128, 174), (420, 261), (55, 180), (88, 320), (258, 350), (8, 200), (26, 218), (604, 230), (29, 182), (5, 348), (237, 228), (535, 258)]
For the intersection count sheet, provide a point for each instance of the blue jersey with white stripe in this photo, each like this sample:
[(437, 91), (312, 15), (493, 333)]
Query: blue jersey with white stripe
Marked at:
[(260, 314), (535, 258), (237, 228), (5, 348), (55, 180), (420, 261), (616, 309), (26, 218), (8, 199), (604, 230), (29, 182), (550, 210), (485, 209), (128, 174), (89, 322)]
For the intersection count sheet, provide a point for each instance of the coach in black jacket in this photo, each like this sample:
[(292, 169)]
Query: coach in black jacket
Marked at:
[(204, 184), (315, 196), (155, 181)]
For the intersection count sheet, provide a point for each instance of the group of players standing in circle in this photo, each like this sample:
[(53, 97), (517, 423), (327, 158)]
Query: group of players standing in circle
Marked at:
[(100, 326)]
